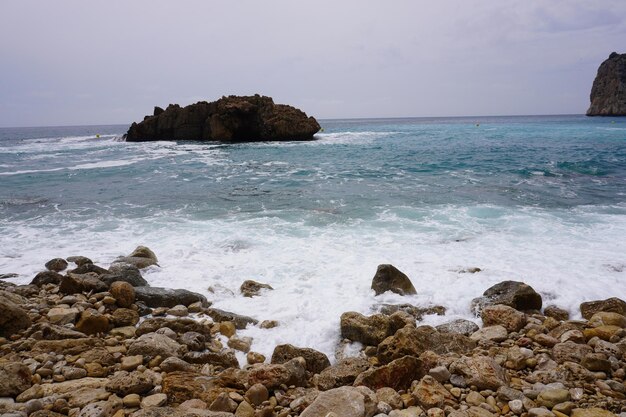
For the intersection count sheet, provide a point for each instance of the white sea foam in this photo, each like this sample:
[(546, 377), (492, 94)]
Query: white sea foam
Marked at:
[(319, 272)]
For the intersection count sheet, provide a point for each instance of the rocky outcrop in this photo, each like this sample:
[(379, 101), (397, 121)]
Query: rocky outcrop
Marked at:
[(390, 278), (229, 119), (608, 93)]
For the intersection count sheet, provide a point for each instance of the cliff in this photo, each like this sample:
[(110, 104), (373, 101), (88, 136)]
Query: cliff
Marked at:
[(229, 119), (608, 94)]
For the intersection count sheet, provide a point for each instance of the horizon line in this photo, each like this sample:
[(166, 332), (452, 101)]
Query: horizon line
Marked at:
[(327, 119)]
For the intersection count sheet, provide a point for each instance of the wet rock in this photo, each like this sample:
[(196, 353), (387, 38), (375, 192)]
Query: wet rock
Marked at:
[(417, 313), (514, 294), (123, 292), (141, 257), (343, 401), (12, 318), (398, 374), (152, 344), (512, 319), (78, 283), (15, 378), (89, 268), (343, 373), (238, 320), (124, 383), (615, 305), (56, 264), (459, 326), (429, 393), (178, 325), (46, 277), (166, 297), (481, 371), (369, 330), (124, 273), (79, 260), (411, 341), (251, 288), (316, 361), (389, 278), (92, 322), (225, 358), (556, 313)]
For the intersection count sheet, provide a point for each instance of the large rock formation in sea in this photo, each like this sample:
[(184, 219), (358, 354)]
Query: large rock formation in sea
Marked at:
[(608, 94), (229, 119)]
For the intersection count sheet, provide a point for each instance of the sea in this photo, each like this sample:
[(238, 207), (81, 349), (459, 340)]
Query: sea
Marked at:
[(538, 199)]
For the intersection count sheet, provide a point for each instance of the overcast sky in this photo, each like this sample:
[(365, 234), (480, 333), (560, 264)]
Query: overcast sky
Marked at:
[(99, 62)]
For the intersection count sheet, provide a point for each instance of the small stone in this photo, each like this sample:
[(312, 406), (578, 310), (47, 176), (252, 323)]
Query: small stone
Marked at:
[(193, 403), (556, 313), (227, 328), (440, 373), (254, 357), (123, 293), (155, 400), (241, 344), (62, 315), (268, 324), (130, 363), (551, 397), (244, 410), (178, 311), (256, 394), (516, 406), (132, 400)]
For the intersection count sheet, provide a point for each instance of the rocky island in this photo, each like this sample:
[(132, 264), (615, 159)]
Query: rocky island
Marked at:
[(229, 119), (608, 94), (86, 341)]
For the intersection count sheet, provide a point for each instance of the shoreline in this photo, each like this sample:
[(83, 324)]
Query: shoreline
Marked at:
[(82, 340)]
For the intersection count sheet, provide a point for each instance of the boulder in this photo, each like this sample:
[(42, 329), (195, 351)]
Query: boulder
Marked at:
[(15, 378), (342, 373), (556, 313), (141, 257), (369, 330), (272, 376), (62, 315), (79, 260), (430, 394), (495, 333), (92, 322), (78, 283), (123, 317), (46, 277), (251, 288), (166, 297), (126, 273), (229, 119), (123, 383), (240, 321), (570, 351), (389, 278), (411, 341), (153, 344), (514, 294), (481, 371), (608, 93), (614, 304), (123, 292), (316, 361), (459, 326), (398, 374), (12, 317), (508, 317), (343, 401), (56, 264)]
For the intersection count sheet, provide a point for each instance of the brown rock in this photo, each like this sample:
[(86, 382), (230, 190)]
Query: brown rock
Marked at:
[(481, 371), (343, 373), (603, 332), (125, 317), (12, 318), (607, 318), (251, 288), (368, 330), (398, 374), (556, 313), (411, 341), (389, 278), (615, 305), (223, 403), (240, 322), (15, 378), (429, 394), (178, 325), (316, 361), (343, 401), (183, 386), (570, 351), (92, 322), (514, 294), (153, 344), (591, 412), (56, 264), (123, 292), (46, 277), (224, 358), (512, 319), (271, 376), (256, 394), (124, 383), (78, 283), (141, 257)]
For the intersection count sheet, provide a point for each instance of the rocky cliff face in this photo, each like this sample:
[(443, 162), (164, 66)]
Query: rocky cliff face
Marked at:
[(229, 119), (608, 94)]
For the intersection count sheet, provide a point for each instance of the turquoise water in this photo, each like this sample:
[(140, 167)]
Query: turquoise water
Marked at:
[(539, 199)]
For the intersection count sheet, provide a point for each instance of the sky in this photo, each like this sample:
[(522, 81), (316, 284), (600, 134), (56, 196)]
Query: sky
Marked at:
[(75, 62)]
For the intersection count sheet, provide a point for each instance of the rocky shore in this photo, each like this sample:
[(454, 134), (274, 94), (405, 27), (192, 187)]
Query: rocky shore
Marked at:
[(87, 341)]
